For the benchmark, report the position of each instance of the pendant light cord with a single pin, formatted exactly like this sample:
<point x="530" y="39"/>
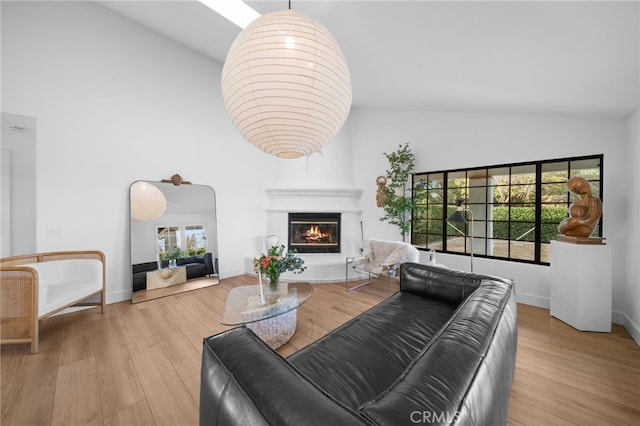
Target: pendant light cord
<point x="289" y="4"/>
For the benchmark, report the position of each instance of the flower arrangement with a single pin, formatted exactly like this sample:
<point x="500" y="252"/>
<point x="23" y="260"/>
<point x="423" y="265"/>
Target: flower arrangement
<point x="275" y="262"/>
<point x="173" y="253"/>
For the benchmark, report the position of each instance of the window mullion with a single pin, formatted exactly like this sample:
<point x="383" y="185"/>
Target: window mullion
<point x="538" y="215"/>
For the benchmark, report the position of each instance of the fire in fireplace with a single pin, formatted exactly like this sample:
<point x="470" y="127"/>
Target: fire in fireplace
<point x="314" y="232"/>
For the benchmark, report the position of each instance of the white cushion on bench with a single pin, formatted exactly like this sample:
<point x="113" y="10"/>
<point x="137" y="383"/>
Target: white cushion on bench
<point x="62" y="282"/>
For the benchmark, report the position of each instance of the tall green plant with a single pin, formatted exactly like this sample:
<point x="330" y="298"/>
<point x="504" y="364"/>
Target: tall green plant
<point x="398" y="203"/>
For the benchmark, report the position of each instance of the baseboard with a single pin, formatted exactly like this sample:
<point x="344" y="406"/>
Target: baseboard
<point x="632" y="328"/>
<point x="118" y="296"/>
<point x="616" y="317"/>
<point x="234" y="272"/>
<point x="529" y="299"/>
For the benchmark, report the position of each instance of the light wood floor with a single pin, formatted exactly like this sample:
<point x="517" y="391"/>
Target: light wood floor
<point x="140" y="364"/>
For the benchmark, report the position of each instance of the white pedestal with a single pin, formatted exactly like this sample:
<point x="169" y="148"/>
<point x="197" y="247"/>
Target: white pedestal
<point x="581" y="285"/>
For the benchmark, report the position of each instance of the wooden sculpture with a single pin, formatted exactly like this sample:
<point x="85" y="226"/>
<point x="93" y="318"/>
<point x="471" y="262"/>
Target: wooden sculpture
<point x="584" y="212"/>
<point x="381" y="196"/>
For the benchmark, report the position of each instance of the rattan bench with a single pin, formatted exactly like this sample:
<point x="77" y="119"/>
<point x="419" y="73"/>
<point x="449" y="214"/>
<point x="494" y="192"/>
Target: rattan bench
<point x="36" y="286"/>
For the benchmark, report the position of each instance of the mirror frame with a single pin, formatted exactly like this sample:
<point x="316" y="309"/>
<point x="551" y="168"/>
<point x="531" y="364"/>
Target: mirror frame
<point x="187" y="205"/>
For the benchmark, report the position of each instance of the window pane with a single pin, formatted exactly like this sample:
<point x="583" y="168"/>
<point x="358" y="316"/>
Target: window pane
<point x="498" y="173"/>
<point x="555" y="172"/>
<point x="523" y="174"/>
<point x="419" y="213"/>
<point x="435" y="227"/>
<point x="435" y="196"/>
<point x="457" y="185"/>
<point x="477" y="177"/>
<point x="522" y="250"/>
<point x="435" y="211"/>
<point x="523" y="231"/>
<point x="167" y="239"/>
<point x="479" y="211"/>
<point x="595" y="188"/>
<point x="498" y="185"/>
<point x="587" y="168"/>
<point x="419" y="239"/>
<point x="500" y="229"/>
<point x="522" y="194"/>
<point x="549" y="232"/>
<point x="479" y="245"/>
<point x="545" y="252"/>
<point x="554" y="192"/>
<point x="499" y="248"/>
<point x="456" y="244"/>
<point x="195" y="239"/>
<point x="523" y="213"/>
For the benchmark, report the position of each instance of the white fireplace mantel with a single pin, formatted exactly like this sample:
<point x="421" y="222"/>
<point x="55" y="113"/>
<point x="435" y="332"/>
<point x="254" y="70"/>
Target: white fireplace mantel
<point x="313" y="199"/>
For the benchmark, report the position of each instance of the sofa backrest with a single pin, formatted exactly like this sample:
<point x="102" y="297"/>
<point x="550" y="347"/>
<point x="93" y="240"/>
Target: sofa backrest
<point x="436" y="282"/>
<point x="144" y="267"/>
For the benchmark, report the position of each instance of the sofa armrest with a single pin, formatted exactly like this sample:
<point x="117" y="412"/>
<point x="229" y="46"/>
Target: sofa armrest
<point x="244" y="382"/>
<point x="208" y="260"/>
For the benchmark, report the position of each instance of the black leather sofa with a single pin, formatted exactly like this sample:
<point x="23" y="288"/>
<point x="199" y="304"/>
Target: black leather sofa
<point x="196" y="266"/>
<point x="440" y="351"/>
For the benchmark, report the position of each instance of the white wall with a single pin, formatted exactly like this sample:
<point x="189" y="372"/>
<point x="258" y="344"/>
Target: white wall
<point x="444" y="141"/>
<point x="116" y="103"/>
<point x="632" y="226"/>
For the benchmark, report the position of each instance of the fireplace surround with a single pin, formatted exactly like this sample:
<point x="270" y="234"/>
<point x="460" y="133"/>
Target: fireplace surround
<point x="321" y="267"/>
<point x="314" y="232"/>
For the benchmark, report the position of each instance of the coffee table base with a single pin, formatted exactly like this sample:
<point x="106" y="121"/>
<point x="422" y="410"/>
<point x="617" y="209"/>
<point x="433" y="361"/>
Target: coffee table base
<point x="275" y="331"/>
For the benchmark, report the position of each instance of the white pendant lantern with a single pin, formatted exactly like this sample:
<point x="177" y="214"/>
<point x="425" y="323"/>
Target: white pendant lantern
<point x="286" y="84"/>
<point x="147" y="201"/>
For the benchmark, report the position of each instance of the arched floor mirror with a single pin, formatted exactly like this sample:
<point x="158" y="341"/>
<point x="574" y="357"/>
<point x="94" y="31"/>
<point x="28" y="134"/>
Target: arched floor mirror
<point x="174" y="238"/>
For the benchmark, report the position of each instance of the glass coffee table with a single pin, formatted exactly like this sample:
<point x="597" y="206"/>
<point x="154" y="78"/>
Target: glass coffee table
<point x="275" y="320"/>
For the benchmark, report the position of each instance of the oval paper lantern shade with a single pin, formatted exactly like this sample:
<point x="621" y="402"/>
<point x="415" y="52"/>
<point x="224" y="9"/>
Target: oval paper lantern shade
<point x="147" y="201"/>
<point x="286" y="84"/>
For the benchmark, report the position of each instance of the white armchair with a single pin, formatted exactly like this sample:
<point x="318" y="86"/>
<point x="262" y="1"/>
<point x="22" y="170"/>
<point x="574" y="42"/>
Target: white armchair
<point x="378" y="257"/>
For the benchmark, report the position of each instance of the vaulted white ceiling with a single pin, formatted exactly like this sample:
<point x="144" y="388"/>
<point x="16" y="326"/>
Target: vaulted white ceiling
<point x="549" y="57"/>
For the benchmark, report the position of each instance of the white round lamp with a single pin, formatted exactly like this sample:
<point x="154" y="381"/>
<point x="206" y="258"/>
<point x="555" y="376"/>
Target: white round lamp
<point x="147" y="201"/>
<point x="286" y="84"/>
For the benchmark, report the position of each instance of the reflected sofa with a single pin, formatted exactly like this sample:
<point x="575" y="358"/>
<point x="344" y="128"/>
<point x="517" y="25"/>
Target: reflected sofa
<point x="196" y="266"/>
<point x="440" y="351"/>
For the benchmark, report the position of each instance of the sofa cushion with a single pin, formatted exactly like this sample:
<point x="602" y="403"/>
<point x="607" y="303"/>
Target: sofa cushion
<point x="368" y="353"/>
<point x="195" y="270"/>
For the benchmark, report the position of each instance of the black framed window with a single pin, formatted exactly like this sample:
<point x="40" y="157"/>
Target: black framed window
<point x="516" y="208"/>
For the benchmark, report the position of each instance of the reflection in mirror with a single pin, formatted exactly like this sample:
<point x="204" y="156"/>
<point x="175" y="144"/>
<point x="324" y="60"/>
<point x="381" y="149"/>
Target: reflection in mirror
<point x="174" y="239"/>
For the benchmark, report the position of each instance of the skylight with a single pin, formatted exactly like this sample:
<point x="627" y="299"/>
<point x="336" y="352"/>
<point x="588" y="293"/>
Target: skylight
<point x="235" y="11"/>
